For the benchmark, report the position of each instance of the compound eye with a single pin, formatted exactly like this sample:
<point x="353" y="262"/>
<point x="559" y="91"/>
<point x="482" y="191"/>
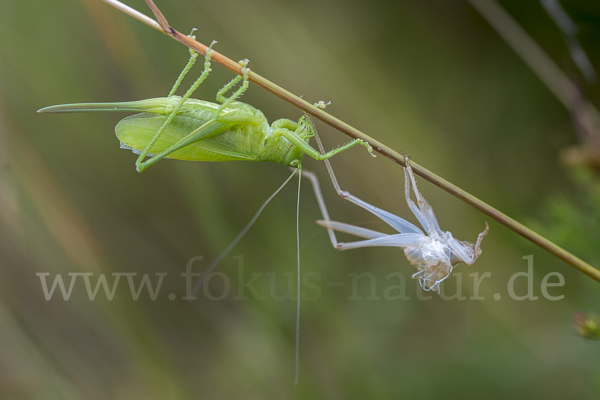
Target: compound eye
<point x="294" y="163"/>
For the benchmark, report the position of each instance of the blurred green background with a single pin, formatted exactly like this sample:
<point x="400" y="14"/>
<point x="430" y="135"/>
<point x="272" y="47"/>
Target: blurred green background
<point x="430" y="78"/>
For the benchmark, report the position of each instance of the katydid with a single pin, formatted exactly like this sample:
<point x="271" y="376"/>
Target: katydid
<point x="197" y="130"/>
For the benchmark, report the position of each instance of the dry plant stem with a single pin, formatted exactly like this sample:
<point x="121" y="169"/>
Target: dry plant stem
<point x="355" y="133"/>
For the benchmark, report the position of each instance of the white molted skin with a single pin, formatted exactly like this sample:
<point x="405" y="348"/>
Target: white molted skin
<point x="433" y="252"/>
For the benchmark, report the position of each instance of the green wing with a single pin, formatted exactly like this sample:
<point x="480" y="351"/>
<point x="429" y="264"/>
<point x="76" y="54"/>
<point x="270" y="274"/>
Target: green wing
<point x="221" y="144"/>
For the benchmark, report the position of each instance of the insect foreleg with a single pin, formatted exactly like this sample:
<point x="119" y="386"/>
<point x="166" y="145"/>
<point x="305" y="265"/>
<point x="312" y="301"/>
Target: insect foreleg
<point x="284" y="123"/>
<point x="139" y="163"/>
<point x="480" y="238"/>
<point x="306" y="148"/>
<point x="331" y="153"/>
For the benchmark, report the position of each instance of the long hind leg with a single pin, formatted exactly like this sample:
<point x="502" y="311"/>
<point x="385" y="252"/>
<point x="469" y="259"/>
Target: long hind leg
<point x="140" y="163"/>
<point x="374" y="238"/>
<point x="399" y="224"/>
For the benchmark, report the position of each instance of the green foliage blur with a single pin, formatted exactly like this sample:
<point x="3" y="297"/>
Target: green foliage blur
<point x="430" y="78"/>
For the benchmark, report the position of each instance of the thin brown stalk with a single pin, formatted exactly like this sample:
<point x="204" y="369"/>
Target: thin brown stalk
<point x="355" y="133"/>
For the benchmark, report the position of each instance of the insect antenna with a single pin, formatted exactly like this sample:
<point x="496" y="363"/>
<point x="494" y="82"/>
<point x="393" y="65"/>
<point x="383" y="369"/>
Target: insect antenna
<point x="297" y="355"/>
<point x="235" y="241"/>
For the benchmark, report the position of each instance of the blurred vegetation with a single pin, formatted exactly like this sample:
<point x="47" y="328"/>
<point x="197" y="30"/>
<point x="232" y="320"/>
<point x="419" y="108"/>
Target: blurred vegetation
<point x="575" y="222"/>
<point x="587" y="326"/>
<point x="430" y="78"/>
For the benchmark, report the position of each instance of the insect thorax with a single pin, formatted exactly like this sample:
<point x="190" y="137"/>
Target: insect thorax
<point x="277" y="148"/>
<point x="430" y="251"/>
<point x="435" y="248"/>
<point x="435" y="259"/>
